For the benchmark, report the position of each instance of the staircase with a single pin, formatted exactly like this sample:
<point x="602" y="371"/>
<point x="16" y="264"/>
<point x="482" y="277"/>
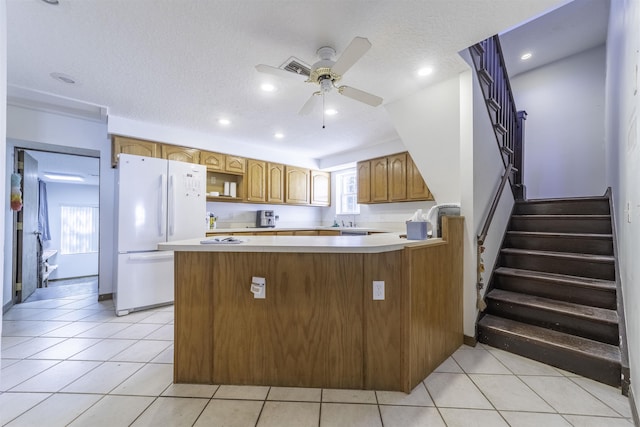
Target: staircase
<point x="552" y="296"/>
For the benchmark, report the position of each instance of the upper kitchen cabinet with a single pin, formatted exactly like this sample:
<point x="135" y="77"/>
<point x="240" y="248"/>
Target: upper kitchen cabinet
<point x="213" y="161"/>
<point x="364" y="181"/>
<point x="296" y="185"/>
<point x="275" y="183"/>
<point x="397" y="176"/>
<point x="256" y="178"/>
<point x="379" y="180"/>
<point x="416" y="187"/>
<point x="180" y="154"/>
<point x="138" y="147"/>
<point x="389" y="179"/>
<point x="320" y="188"/>
<point x="235" y="164"/>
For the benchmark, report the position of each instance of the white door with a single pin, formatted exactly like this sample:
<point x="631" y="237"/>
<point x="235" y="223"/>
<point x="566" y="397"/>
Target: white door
<point x="29" y="262"/>
<point x="187" y="200"/>
<point x="142" y="203"/>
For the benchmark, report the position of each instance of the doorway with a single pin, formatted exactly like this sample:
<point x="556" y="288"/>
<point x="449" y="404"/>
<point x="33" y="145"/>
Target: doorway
<point x="56" y="237"/>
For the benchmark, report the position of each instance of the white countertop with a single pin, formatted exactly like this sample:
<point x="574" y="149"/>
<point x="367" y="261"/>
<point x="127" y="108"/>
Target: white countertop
<point x="374" y="243"/>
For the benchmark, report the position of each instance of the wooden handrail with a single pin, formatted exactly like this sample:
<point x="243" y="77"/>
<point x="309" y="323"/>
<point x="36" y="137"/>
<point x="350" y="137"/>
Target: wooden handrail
<point x="494" y="205"/>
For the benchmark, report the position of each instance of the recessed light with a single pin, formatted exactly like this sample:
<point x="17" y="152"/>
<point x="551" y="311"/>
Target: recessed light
<point x="64" y="78"/>
<point x="224" y="122"/>
<point x="53" y="2"/>
<point x="425" y="71"/>
<point x="526" y="56"/>
<point x="278" y="135"/>
<point x="330" y="112"/>
<point x="268" y="87"/>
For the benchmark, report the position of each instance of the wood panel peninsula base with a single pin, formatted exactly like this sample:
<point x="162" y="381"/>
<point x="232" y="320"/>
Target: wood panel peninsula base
<point x="318" y="325"/>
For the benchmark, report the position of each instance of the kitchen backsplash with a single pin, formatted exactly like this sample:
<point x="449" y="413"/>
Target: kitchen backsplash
<point x="385" y="216"/>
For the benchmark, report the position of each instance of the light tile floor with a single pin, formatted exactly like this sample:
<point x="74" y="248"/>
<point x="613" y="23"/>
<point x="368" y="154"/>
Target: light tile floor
<point x="71" y="361"/>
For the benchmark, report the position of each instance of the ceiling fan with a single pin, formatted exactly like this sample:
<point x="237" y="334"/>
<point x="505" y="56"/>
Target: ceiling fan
<point x="326" y="72"/>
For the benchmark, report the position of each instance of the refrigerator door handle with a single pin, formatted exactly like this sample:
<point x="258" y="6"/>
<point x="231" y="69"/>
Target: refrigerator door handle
<point x="172" y="204"/>
<point x="151" y="256"/>
<point x="162" y="223"/>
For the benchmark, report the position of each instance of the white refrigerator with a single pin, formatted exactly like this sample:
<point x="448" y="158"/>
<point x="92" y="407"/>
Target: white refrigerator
<point x="157" y="201"/>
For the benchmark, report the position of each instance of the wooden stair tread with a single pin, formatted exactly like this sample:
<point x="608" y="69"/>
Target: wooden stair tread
<point x="561" y="216"/>
<point x="564" y="200"/>
<point x="586" y="282"/>
<point x="551" y="338"/>
<point x="560" y="235"/>
<point x="565" y="255"/>
<point x="561" y="307"/>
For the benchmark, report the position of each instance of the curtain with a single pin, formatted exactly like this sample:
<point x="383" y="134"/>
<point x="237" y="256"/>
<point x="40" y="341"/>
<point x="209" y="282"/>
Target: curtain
<point x="43" y="211"/>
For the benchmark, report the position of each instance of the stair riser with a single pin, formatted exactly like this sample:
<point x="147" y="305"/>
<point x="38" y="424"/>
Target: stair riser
<point x="600" y="370"/>
<point x="570" y="267"/>
<point x="558" y="291"/>
<point x="561" y="225"/>
<point x="586" y="328"/>
<point x="561" y="244"/>
<point x="580" y="207"/>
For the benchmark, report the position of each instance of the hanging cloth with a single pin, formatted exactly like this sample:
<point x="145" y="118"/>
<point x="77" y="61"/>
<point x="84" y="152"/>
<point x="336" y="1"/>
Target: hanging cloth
<point x="43" y="211"/>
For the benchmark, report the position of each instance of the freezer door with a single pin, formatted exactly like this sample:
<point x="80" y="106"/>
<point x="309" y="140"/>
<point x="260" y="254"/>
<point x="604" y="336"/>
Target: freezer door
<point x="186" y="201"/>
<point x="144" y="279"/>
<point x="142" y="203"/>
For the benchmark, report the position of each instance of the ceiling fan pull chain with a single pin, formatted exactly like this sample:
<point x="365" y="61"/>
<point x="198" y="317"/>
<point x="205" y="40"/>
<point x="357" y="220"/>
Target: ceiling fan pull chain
<point x="322" y="110"/>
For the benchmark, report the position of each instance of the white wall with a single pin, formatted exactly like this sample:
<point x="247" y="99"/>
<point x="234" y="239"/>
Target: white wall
<point x="69" y="265"/>
<point x="42" y="130"/>
<point x="564" y="130"/>
<point x="3" y="128"/>
<point x="428" y="123"/>
<point x="623" y="161"/>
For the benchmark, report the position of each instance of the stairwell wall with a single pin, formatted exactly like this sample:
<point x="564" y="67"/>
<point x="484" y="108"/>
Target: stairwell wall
<point x="623" y="163"/>
<point x="564" y="130"/>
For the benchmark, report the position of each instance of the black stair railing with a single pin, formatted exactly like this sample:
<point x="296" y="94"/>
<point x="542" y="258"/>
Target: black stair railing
<point x="508" y="126"/>
<point x="507" y="121"/>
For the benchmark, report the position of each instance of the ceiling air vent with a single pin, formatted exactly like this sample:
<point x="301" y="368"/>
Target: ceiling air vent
<point x="296" y="66"/>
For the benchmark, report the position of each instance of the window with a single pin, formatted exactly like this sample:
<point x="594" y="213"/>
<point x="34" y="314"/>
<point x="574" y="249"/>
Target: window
<point x="347" y="193"/>
<point x="79" y="229"/>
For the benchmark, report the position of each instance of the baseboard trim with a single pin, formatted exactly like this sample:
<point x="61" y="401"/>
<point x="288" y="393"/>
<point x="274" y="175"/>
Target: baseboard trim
<point x="6" y="307"/>
<point x="470" y="341"/>
<point x="634" y="408"/>
<point x="105" y="297"/>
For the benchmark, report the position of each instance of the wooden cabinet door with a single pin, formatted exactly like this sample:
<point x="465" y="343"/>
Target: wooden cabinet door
<point x="275" y="183"/>
<point x="416" y="187"/>
<point x="137" y="147"/>
<point x="235" y="164"/>
<point x="364" y="181"/>
<point x="180" y="154"/>
<point x="320" y="188"/>
<point x="296" y="185"/>
<point x="379" y="180"/>
<point x="256" y="181"/>
<point x="397" y="177"/>
<point x="213" y="161"/>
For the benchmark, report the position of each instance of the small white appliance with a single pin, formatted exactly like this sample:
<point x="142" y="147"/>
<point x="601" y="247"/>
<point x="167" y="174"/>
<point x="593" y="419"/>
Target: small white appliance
<point x="157" y="201"/>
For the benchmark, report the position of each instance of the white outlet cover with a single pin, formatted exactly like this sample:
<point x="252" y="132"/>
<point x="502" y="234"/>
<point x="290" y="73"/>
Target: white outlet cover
<point x="378" y="290"/>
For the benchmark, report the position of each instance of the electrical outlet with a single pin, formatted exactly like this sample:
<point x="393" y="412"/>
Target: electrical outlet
<point x="259" y="287"/>
<point x="378" y="290"/>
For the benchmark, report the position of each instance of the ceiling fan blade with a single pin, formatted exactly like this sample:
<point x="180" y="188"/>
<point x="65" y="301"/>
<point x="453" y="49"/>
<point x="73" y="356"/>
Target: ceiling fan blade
<point x="358" y="47"/>
<point x="310" y="105"/>
<point x="280" y="72"/>
<point x="360" y="95"/>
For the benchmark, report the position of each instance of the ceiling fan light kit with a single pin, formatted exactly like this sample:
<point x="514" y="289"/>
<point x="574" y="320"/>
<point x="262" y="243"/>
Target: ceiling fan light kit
<point x="326" y="72"/>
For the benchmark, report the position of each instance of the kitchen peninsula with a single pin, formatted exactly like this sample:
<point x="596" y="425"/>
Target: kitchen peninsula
<point x="319" y="325"/>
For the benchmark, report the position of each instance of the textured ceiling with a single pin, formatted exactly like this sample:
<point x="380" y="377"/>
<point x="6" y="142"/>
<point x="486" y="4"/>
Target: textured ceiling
<point x="186" y="63"/>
